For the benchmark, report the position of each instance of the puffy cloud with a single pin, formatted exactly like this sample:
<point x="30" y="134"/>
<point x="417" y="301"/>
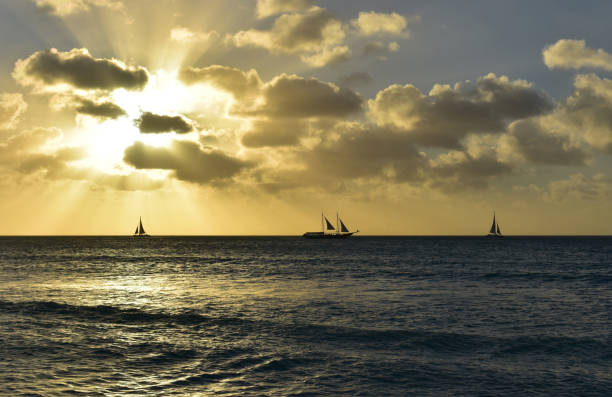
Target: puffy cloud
<point x="315" y="34"/>
<point x="79" y="69"/>
<point x="67" y="7"/>
<point x="380" y="50"/>
<point x="458" y="170"/>
<point x="327" y="56"/>
<point x="12" y="106"/>
<point x="293" y="96"/>
<point x="266" y="8"/>
<point x="581" y="187"/>
<point x="274" y="133"/>
<point x="235" y="81"/>
<point x="351" y="153"/>
<point x="362" y="152"/>
<point x="447" y="114"/>
<point x="539" y="146"/>
<point x="99" y="109"/>
<point x="589" y="111"/>
<point x="186" y="160"/>
<point x="154" y="123"/>
<point x="574" y="54"/>
<point x="374" y="23"/>
<point x="180" y="34"/>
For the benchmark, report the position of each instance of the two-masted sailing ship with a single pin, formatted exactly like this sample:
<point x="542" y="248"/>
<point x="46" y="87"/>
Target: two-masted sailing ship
<point x="140" y="232"/>
<point x="329" y="231"/>
<point x="495" y="231"/>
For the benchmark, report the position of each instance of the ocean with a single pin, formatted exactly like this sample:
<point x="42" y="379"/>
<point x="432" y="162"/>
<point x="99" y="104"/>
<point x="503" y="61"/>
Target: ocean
<point x="285" y="316"/>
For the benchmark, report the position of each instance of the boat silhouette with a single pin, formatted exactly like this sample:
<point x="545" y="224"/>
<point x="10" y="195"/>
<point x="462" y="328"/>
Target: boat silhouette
<point x="340" y="231"/>
<point x="140" y="232"/>
<point x="495" y="231"/>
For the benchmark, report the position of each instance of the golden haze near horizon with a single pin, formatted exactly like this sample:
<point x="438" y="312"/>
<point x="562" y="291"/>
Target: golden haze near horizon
<point x="252" y="117"/>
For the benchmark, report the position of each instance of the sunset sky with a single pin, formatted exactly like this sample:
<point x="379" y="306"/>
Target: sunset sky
<point x="251" y="117"/>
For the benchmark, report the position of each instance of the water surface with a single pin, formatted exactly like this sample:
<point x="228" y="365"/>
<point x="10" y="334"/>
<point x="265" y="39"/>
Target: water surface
<point x="288" y="316"/>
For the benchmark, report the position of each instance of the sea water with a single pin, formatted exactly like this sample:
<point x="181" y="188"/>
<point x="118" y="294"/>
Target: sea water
<point x="371" y="316"/>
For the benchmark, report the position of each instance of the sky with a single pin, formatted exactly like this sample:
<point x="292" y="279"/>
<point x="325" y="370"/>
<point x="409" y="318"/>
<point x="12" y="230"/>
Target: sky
<point x="251" y="117"/>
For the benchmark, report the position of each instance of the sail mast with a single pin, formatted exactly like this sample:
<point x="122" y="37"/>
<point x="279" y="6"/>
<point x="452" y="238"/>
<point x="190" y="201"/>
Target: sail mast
<point x="337" y="224"/>
<point x="322" y="224"/>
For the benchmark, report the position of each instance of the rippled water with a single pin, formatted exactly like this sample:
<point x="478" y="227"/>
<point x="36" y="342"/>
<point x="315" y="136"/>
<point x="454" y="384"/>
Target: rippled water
<point x="286" y="316"/>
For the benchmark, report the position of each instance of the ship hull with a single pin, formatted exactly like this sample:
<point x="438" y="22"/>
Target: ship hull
<point x="319" y="235"/>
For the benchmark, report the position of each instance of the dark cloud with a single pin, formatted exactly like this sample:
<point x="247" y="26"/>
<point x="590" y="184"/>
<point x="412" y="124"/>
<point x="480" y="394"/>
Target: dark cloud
<point x="294" y="33"/>
<point x="541" y="147"/>
<point x="458" y="171"/>
<point x="380" y="49"/>
<point x="357" y="153"/>
<point x="298" y="97"/>
<point x="445" y="116"/>
<point x="363" y="152"/>
<point x="79" y="69"/>
<point x="580" y="187"/>
<point x="315" y="34"/>
<point x="101" y="110"/>
<point x="240" y="84"/>
<point x="187" y="160"/>
<point x="154" y="123"/>
<point x="354" y="79"/>
<point x="274" y="133"/>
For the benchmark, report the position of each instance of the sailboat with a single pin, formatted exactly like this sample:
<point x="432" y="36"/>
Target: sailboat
<point x="140" y="232"/>
<point x="495" y="231"/>
<point x="329" y="231"/>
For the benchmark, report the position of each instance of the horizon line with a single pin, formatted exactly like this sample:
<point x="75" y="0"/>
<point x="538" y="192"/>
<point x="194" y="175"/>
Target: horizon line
<point x="299" y="235"/>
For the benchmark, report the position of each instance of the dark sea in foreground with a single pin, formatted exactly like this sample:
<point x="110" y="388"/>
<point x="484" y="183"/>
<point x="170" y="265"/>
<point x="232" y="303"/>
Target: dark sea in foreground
<point x="375" y="316"/>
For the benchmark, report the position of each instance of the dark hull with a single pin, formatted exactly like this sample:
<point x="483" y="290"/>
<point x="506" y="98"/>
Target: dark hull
<point x="494" y="236"/>
<point x="322" y="236"/>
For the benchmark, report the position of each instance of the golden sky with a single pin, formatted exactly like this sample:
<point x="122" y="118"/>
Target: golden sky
<point x="253" y="116"/>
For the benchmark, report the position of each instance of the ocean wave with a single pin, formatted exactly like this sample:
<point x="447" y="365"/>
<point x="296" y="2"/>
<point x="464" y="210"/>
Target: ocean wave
<point x="101" y="313"/>
<point x="435" y="342"/>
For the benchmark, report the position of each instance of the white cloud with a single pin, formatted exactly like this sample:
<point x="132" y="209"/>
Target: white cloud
<point x="374" y="23"/>
<point x="266" y="8"/>
<point x="185" y="35"/>
<point x="574" y="54"/>
<point x="315" y="35"/>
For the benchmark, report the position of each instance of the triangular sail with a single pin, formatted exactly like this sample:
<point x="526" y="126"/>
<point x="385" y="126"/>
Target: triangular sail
<point x="329" y="225"/>
<point x="343" y="228"/>
<point x="136" y="231"/>
<point x="492" y="231"/>
<point x="140" y="228"/>
<point x="498" y="231"/>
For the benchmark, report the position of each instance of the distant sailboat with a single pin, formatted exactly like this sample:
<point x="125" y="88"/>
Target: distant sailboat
<point x="495" y="231"/>
<point x="140" y="232"/>
<point x="340" y="231"/>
